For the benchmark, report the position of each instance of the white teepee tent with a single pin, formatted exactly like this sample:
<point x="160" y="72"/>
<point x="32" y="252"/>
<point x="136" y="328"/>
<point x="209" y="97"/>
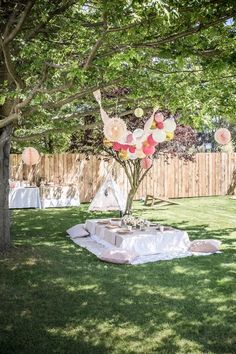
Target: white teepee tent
<point x="108" y="197"/>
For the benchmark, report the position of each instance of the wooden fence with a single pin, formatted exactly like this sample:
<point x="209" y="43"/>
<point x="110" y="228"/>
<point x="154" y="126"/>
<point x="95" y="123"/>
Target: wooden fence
<point x="210" y="174"/>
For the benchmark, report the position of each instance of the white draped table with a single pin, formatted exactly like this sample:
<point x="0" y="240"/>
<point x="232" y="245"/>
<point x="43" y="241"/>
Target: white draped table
<point x="143" y="243"/>
<point x="59" y="196"/>
<point x="24" y="197"/>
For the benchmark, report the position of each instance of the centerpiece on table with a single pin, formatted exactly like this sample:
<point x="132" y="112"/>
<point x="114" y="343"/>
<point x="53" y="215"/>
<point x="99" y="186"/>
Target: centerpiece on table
<point x="131" y="222"/>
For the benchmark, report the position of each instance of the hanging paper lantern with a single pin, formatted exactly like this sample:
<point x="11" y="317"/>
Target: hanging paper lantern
<point x="151" y="141"/>
<point x="132" y="149"/>
<point x="148" y="150"/>
<point x="159" y="135"/>
<point x="116" y="146"/>
<point x="30" y="156"/>
<point x="146" y="163"/>
<point x="138" y="112"/>
<point x="123" y="155"/>
<point x="160" y="125"/>
<point x="115" y="129"/>
<point x="222" y="136"/>
<point x="169" y="136"/>
<point x="107" y="143"/>
<point x="169" y="125"/>
<point x="158" y="117"/>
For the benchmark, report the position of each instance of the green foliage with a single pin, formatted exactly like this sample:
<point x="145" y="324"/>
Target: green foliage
<point x="179" y="55"/>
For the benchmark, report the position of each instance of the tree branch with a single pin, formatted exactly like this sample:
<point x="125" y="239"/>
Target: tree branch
<point x="51" y="14"/>
<point x="97" y="45"/>
<point x="52" y="131"/>
<point x="173" y="37"/>
<point x="10" y="66"/>
<point x="8" y="120"/>
<point x="20" y="23"/>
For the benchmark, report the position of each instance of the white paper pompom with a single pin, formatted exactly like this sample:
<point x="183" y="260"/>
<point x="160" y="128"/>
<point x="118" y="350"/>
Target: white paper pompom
<point x="115" y="129"/>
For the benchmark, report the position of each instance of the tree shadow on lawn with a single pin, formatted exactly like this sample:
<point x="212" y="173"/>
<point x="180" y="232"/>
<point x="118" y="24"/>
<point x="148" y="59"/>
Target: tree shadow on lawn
<point x="58" y="298"/>
<point x="170" y="307"/>
<point x="70" y="302"/>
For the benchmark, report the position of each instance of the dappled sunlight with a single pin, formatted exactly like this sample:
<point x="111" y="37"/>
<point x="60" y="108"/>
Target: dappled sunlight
<point x="64" y="294"/>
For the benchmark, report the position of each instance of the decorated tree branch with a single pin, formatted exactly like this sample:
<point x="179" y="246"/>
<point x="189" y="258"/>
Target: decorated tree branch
<point x="135" y="150"/>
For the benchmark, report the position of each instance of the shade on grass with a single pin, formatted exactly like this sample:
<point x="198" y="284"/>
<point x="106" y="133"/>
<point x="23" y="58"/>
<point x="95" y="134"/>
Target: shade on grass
<point x="57" y="298"/>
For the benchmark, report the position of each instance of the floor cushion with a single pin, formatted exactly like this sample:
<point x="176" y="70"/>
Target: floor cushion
<point x="206" y="246"/>
<point x="77" y="231"/>
<point x="117" y="256"/>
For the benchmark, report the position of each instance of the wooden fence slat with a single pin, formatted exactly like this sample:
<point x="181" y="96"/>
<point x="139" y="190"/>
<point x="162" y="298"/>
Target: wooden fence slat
<point x="210" y="174"/>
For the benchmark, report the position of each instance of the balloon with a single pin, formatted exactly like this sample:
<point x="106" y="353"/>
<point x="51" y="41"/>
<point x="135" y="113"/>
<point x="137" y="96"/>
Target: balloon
<point x="30" y="156"/>
<point x="146" y="163"/>
<point x="148" y="150"/>
<point x="129" y="138"/>
<point x="132" y="149"/>
<point x="159" y="117"/>
<point x="153" y="126"/>
<point x="115" y="129"/>
<point x="151" y="141"/>
<point x="138" y="112"/>
<point x="222" y="136"/>
<point x="107" y="143"/>
<point x="169" y="136"/>
<point x="160" y="125"/>
<point x="169" y="125"/>
<point x="117" y="146"/>
<point x="140" y="154"/>
<point x="124" y="147"/>
<point x="159" y="135"/>
<point x="148" y="124"/>
<point x="132" y="156"/>
<point x="123" y="155"/>
<point x="138" y="133"/>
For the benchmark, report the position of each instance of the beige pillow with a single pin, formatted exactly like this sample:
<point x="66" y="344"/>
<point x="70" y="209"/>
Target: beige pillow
<point x="117" y="256"/>
<point x="205" y="246"/>
<point x="77" y="231"/>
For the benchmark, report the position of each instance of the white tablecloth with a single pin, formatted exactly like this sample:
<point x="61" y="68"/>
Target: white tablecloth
<point x="24" y="197"/>
<point x="141" y="242"/>
<point x="59" y="196"/>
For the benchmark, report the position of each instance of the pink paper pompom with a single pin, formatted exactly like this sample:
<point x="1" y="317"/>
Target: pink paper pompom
<point x="146" y="163"/>
<point x="222" y="136"/>
<point x="148" y="150"/>
<point x="151" y="141"/>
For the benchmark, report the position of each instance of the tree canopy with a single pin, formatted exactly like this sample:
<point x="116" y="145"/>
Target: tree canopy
<point x="179" y="55"/>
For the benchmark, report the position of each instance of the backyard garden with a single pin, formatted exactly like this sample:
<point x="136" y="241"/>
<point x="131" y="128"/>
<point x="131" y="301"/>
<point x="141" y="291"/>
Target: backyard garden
<point x="117" y="177"/>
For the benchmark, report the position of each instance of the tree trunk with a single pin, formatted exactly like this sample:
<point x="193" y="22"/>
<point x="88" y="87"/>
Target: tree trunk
<point x="129" y="202"/>
<point x="5" y="135"/>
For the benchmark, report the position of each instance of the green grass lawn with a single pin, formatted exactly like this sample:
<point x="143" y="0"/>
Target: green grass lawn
<point x="57" y="298"/>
